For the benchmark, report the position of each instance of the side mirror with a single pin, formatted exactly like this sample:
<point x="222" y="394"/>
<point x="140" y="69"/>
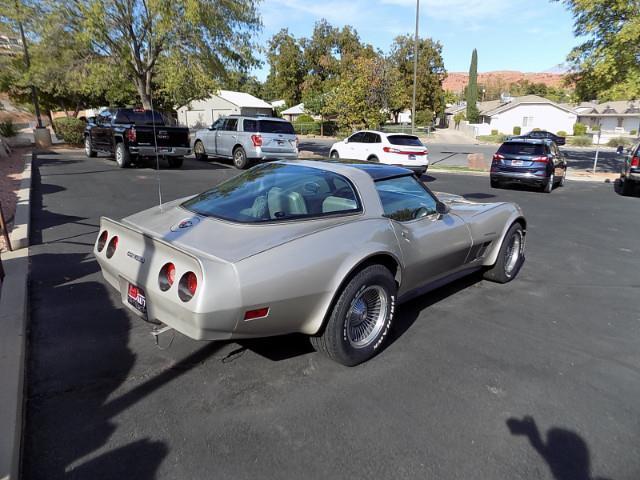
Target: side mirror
<point x="442" y="208"/>
<point x="346" y="140"/>
<point x="212" y="127"/>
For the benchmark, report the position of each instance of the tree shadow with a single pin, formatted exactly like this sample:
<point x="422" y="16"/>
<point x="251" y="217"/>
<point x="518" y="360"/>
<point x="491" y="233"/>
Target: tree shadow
<point x="608" y="162"/>
<point x="565" y="452"/>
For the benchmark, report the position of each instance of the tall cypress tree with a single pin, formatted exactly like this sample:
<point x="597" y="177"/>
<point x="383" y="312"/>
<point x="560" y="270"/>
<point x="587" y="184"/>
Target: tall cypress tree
<point x="473" y="115"/>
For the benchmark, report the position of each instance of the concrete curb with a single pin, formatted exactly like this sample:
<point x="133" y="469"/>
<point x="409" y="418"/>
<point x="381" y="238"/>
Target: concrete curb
<point x="13" y="319"/>
<point x="19" y="235"/>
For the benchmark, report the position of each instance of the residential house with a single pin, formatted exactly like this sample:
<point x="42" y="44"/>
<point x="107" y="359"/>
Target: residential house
<point x="200" y="113"/>
<point x="527" y="112"/>
<point x="621" y="117"/>
<point x="293" y="113"/>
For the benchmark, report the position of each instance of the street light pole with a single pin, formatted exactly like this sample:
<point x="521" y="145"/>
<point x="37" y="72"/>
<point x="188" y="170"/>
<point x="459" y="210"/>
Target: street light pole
<point x="415" y="70"/>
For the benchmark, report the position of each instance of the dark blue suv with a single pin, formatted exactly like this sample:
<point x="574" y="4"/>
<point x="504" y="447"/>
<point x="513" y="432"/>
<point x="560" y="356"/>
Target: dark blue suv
<point x="529" y="161"/>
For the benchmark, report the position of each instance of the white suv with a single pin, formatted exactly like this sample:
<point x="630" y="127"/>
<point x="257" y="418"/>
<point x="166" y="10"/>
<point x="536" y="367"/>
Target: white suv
<point x="390" y="148"/>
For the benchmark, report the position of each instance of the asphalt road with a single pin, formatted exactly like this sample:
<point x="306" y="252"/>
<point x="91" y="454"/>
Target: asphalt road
<point x="452" y="155"/>
<point x="539" y="378"/>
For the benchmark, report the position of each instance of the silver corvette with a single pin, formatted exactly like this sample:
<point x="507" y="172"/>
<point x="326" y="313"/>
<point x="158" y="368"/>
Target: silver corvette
<point x="327" y="249"/>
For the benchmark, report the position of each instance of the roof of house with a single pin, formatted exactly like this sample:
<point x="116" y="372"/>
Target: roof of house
<point x="621" y="107"/>
<point x="277" y="103"/>
<point x="242" y="99"/>
<point x="295" y="110"/>
<point x="494" y="107"/>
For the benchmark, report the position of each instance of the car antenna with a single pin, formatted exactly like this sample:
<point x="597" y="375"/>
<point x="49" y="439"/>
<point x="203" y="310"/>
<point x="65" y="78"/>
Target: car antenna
<point x="155" y="141"/>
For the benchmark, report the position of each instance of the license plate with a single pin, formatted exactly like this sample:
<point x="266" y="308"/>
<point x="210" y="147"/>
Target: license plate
<point x="136" y="298"/>
<point x="412" y="157"/>
<point x="164" y="149"/>
<point x="516" y="163"/>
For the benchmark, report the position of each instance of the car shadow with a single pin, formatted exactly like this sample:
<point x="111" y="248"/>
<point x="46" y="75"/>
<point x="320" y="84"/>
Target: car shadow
<point x="478" y="195"/>
<point x="566" y="453"/>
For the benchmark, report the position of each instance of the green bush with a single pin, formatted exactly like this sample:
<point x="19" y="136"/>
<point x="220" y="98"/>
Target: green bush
<point x="595" y="128"/>
<point x="517" y="130"/>
<point x="614" y="142"/>
<point x="8" y="129"/>
<point x="581" y="141"/>
<point x="633" y="133"/>
<point x="70" y="129"/>
<point x="536" y="130"/>
<point x="494" y="132"/>
<point x="579" y="129"/>
<point x="561" y="133"/>
<point x="304" y="118"/>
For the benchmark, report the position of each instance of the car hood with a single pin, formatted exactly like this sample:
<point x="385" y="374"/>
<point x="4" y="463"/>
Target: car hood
<point x="219" y="239"/>
<point x="463" y="207"/>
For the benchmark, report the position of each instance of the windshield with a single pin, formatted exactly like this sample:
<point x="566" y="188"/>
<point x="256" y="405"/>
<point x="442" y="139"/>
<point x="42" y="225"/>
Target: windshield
<point x="277" y="191"/>
<point x="406" y="140"/>
<point x="514" y="148"/>
<point x="274" y="126"/>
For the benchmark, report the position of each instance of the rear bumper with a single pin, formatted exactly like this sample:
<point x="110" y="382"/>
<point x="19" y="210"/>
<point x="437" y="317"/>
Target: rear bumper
<point x="532" y="178"/>
<point x="276" y="155"/>
<point x="169" y="152"/>
<point x="634" y="176"/>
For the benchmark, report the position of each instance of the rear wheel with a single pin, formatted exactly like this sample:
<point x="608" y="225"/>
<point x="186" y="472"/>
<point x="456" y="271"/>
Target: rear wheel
<point x="373" y="159"/>
<point x="88" y="147"/>
<point x="360" y="319"/>
<point x="334" y="154"/>
<point x="563" y="178"/>
<point x="495" y="183"/>
<point x="175" y="162"/>
<point x="123" y="157"/>
<point x="510" y="256"/>
<point x="548" y="187"/>
<point x="627" y="187"/>
<point x="240" y="158"/>
<point x="200" y="152"/>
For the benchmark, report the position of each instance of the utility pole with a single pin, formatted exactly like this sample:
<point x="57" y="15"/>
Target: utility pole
<point x="27" y="63"/>
<point x="415" y="70"/>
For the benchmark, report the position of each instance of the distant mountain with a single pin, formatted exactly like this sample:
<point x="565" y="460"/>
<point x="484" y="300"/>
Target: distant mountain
<point x="456" y="81"/>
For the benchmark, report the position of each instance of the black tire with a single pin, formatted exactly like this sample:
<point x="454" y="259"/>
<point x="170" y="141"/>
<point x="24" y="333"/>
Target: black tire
<point x="199" y="151"/>
<point x="335" y="340"/>
<point x="373" y="159"/>
<point x="88" y="147"/>
<point x="175" y="162"/>
<point x="334" y="154"/>
<point x="503" y="270"/>
<point x="240" y="160"/>
<point x="495" y="183"/>
<point x="563" y="178"/>
<point x="627" y="187"/>
<point x="548" y="186"/>
<point x="123" y="157"/>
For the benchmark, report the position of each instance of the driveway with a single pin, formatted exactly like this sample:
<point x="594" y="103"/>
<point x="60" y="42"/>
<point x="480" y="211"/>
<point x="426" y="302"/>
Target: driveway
<point x="539" y="378"/>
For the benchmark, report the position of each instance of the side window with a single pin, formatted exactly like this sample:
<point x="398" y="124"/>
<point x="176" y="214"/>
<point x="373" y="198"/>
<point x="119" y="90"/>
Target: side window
<point x="231" y="124"/>
<point x="104" y="118"/>
<point x="249" y="125"/>
<point x="357" y="137"/>
<point x="372" y="137"/>
<point x="404" y="199"/>
<point x="218" y="124"/>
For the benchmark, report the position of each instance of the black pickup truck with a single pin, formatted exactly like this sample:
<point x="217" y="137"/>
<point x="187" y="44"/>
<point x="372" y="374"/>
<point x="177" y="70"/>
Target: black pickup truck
<point x="134" y="134"/>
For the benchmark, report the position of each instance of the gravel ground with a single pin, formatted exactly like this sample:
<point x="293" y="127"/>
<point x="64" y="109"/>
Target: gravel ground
<point x="10" y="176"/>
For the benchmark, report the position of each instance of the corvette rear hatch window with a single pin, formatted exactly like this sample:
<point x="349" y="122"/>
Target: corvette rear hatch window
<point x="278" y="192"/>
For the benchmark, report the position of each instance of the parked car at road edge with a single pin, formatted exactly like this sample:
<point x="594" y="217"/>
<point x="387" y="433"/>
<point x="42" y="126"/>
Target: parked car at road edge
<point x="630" y="173"/>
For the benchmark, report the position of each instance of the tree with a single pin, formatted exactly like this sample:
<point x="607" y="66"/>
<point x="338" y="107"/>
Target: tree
<point x="606" y="64"/>
<point x="183" y="46"/>
<point x="287" y="68"/>
<point x="473" y="115"/>
<point x="457" y="118"/>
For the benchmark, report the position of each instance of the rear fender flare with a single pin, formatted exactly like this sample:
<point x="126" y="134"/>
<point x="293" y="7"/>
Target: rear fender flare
<point x="492" y="256"/>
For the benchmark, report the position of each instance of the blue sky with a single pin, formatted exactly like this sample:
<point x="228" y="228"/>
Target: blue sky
<point x="524" y="35"/>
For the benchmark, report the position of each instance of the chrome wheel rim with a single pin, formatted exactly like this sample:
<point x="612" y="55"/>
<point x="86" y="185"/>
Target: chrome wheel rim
<point x="87" y="146"/>
<point x="119" y="156"/>
<point x="199" y="148"/>
<point x="237" y="158"/>
<point x="366" y="316"/>
<point x="552" y="179"/>
<point x="512" y="254"/>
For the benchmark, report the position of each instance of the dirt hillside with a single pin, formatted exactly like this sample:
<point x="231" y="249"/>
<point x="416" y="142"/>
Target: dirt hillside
<point x="456" y="81"/>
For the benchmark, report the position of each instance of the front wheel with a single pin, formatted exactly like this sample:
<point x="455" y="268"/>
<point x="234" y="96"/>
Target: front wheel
<point x="123" y="157"/>
<point x="175" y="162"/>
<point x="88" y="147"/>
<point x="334" y="154"/>
<point x="200" y="152"/>
<point x="240" y="159"/>
<point x="360" y="319"/>
<point x="510" y="256"/>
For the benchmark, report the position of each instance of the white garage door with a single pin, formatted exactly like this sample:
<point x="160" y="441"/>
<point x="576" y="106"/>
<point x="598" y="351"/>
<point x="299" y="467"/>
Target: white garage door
<point x="196" y="119"/>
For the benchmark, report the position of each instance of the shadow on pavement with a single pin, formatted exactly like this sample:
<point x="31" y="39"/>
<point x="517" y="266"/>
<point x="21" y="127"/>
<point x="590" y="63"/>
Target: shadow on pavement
<point x="565" y="452"/>
<point x="478" y="196"/>
<point x="608" y="161"/>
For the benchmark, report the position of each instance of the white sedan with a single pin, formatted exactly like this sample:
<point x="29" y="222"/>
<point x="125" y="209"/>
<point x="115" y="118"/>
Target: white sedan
<point x="389" y="148"/>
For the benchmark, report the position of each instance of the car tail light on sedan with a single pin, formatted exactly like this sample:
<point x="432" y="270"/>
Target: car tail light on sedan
<point x="497" y="157"/>
<point x="187" y="286"/>
<point x="256" y="140"/>
<point x="131" y="134"/>
<point x="111" y="248"/>
<point x="635" y="161"/>
<point x="167" y="276"/>
<point x="102" y="240"/>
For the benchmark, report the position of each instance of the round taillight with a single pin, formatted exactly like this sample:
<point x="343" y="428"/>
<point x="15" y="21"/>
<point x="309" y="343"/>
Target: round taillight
<point x="102" y="240"/>
<point x="111" y="248"/>
<point x="187" y="286"/>
<point x="167" y="276"/>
